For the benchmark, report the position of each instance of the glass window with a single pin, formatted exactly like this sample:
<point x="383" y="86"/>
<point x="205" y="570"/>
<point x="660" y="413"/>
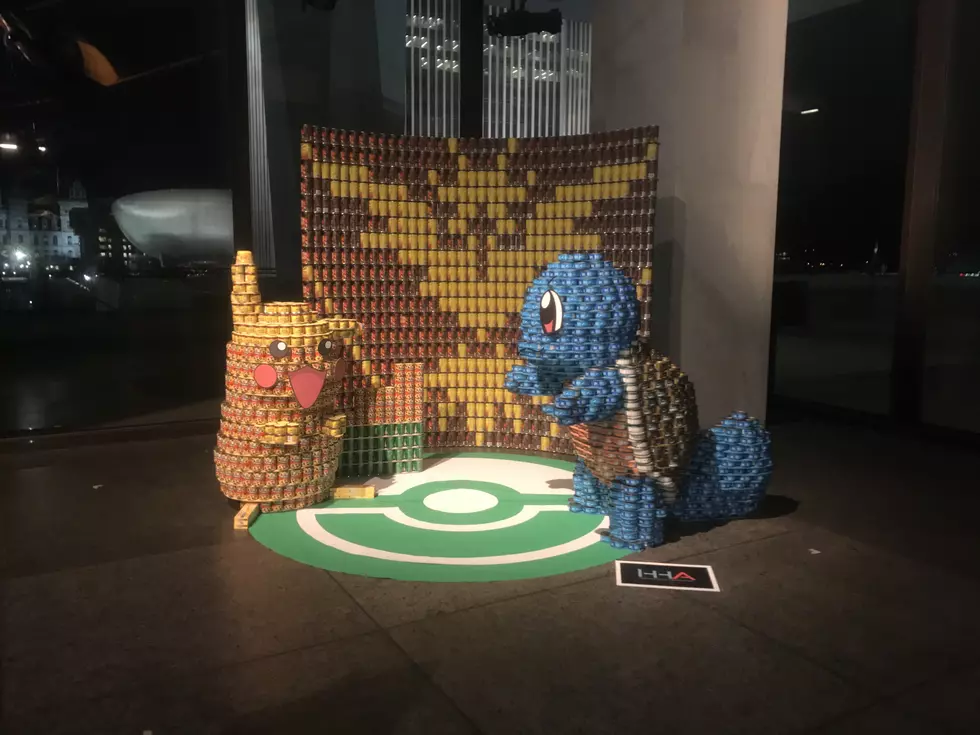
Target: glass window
<point x="847" y="103"/>
<point x="951" y="386"/>
<point x="163" y="128"/>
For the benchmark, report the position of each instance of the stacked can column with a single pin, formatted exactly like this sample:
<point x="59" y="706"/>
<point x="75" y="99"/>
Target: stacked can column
<point x="386" y="429"/>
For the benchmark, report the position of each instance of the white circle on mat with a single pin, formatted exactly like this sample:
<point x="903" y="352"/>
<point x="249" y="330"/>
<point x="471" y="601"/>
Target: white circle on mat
<point x="460" y="500"/>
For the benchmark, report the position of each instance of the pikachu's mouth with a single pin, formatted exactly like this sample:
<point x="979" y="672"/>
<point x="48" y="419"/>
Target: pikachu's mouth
<point x="307" y="382"/>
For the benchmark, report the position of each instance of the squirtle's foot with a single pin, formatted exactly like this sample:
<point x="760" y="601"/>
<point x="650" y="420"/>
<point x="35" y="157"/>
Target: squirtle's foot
<point x="632" y="544"/>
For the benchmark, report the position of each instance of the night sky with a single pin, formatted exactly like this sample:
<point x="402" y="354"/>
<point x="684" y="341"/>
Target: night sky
<point x="842" y="169"/>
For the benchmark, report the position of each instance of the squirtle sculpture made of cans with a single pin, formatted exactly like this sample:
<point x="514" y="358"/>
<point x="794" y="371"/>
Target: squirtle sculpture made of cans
<point x="632" y="412"/>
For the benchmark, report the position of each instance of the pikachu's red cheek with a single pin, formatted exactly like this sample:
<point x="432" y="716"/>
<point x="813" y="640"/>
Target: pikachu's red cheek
<point x="266" y="376"/>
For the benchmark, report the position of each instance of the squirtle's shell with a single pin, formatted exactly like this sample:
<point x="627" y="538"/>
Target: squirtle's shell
<point x="664" y="406"/>
<point x="655" y="432"/>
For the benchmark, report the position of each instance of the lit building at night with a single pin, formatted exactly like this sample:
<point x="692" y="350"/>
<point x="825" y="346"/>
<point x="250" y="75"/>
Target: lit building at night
<point x="40" y="230"/>
<point x="533" y="85"/>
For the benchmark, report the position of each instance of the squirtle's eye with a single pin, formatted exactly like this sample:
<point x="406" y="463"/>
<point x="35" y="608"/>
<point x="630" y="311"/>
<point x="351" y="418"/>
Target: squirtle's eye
<point x="328" y="349"/>
<point x="552" y="312"/>
<point x="278" y="348"/>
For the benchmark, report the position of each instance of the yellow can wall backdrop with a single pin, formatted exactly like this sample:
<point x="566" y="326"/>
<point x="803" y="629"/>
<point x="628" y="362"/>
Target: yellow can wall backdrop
<point x="430" y="244"/>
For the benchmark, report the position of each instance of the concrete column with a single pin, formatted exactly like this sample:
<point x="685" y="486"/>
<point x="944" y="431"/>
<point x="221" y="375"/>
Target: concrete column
<point x="710" y="74"/>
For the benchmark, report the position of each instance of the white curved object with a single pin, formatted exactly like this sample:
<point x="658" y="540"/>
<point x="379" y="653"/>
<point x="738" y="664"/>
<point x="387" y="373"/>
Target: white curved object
<point x="399" y="516"/>
<point x="180" y="224"/>
<point x="308" y="522"/>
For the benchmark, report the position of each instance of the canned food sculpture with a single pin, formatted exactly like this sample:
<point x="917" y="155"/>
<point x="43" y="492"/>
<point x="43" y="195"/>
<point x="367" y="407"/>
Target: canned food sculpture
<point x="384" y="426"/>
<point x="430" y="244"/>
<point x="632" y="413"/>
<point x="281" y="434"/>
<point x="728" y="475"/>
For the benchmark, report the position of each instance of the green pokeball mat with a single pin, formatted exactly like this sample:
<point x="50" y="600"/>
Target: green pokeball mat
<point x="539" y="538"/>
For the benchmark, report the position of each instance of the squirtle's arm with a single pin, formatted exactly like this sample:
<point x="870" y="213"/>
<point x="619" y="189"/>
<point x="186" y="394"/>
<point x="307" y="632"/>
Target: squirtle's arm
<point x="595" y="396"/>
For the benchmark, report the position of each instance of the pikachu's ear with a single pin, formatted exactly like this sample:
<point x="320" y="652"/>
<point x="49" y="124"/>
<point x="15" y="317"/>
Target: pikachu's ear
<point x="245" y="296"/>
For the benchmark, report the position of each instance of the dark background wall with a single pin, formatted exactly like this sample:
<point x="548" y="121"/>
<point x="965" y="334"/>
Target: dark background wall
<point x="958" y="243"/>
<point x="322" y="68"/>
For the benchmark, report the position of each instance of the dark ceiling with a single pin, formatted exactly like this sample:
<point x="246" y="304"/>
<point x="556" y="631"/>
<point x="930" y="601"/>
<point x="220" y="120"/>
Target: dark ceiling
<point x="165" y="113"/>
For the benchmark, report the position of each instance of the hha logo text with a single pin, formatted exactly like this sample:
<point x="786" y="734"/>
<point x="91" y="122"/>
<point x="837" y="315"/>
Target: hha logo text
<point x="664" y="575"/>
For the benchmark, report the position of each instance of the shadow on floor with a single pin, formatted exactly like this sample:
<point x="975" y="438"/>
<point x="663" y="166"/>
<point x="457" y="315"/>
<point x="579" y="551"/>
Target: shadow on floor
<point x="562" y="485"/>
<point x="773" y="506"/>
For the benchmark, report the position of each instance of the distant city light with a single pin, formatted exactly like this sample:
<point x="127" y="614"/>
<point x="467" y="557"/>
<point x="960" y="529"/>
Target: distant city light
<point x="42" y="148"/>
<point x="87" y="277"/>
<point x="810" y="111"/>
<point x="9" y="146"/>
<point x="19" y="255"/>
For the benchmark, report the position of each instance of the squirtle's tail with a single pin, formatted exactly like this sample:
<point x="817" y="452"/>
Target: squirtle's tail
<point x="728" y="473"/>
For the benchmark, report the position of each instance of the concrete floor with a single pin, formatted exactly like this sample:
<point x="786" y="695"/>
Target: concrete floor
<point x="131" y="606"/>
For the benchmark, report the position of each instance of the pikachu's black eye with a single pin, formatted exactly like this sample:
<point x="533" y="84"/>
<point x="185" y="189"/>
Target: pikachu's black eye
<point x="329" y="349"/>
<point x="279" y="349"/>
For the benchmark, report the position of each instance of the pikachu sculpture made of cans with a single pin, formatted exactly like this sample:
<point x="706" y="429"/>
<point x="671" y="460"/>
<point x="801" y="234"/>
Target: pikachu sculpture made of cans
<point x="281" y="433"/>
